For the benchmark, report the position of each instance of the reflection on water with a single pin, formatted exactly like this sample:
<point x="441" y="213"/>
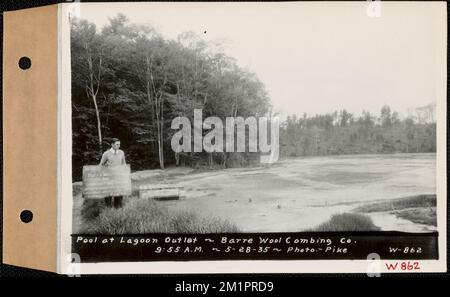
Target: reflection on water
<point x="365" y="177"/>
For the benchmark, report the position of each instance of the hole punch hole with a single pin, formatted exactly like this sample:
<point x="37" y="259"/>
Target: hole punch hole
<point x="26" y="216"/>
<point x="24" y="63"/>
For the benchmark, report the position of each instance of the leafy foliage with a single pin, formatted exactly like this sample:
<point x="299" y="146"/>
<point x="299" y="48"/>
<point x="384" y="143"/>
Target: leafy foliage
<point x="342" y="133"/>
<point x="140" y="82"/>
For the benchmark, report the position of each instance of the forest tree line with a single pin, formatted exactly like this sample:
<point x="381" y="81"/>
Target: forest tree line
<point x="129" y="82"/>
<point x="344" y="133"/>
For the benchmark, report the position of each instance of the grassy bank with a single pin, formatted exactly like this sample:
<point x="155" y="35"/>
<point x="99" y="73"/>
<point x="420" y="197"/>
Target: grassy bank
<point x="147" y="216"/>
<point x="425" y="216"/>
<point x="399" y="204"/>
<point x="419" y="209"/>
<point x="347" y="222"/>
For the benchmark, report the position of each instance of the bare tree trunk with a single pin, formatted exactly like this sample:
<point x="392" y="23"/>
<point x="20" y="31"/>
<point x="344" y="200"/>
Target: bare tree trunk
<point x="159" y="129"/>
<point x="160" y="151"/>
<point x="148" y="77"/>
<point x="157" y="106"/>
<point x="161" y="134"/>
<point x="92" y="90"/>
<point x="99" y="126"/>
<point x="177" y="159"/>
<point x="159" y="138"/>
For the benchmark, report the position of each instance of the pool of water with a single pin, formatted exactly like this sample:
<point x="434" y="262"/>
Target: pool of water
<point x="298" y="194"/>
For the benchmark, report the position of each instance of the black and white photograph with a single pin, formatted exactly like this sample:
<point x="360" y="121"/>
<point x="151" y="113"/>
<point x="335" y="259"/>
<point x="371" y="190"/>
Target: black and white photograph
<point x="257" y="126"/>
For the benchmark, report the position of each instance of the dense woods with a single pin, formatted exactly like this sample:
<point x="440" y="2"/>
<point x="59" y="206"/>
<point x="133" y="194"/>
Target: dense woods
<point x="343" y="133"/>
<point x="129" y="82"/>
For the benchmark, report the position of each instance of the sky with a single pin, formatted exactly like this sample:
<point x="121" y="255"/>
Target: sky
<point x="314" y="57"/>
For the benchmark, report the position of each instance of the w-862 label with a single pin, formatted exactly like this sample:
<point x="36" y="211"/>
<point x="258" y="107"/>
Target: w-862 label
<point x="405" y="250"/>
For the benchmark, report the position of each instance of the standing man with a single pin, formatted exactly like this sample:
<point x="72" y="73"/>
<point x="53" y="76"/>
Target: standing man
<point x="113" y="157"/>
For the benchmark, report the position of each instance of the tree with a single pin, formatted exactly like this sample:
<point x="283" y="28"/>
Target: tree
<point x="345" y="118"/>
<point x="386" y="118"/>
<point x="88" y="64"/>
<point x="138" y="81"/>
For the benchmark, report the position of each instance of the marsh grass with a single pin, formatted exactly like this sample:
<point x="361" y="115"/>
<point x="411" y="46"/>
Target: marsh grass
<point x="347" y="222"/>
<point x="422" y="215"/>
<point x="420" y="209"/>
<point x="147" y="216"/>
<point x="91" y="209"/>
<point x="399" y="204"/>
